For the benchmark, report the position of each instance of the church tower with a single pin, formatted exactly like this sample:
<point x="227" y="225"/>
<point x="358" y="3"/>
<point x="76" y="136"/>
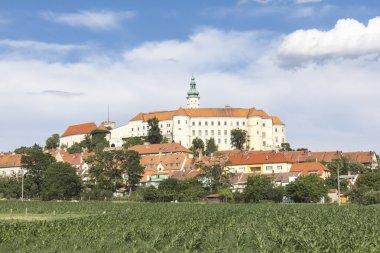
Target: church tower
<point x="192" y="95"/>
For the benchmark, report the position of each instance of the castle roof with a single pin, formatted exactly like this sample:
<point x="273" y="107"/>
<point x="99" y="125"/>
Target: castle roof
<point x="85" y="128"/>
<point x="208" y="112"/>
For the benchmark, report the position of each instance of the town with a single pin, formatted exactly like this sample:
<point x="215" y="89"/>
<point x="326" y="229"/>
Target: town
<point x="190" y="144"/>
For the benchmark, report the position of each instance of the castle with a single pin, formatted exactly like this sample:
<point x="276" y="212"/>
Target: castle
<point x="264" y="132"/>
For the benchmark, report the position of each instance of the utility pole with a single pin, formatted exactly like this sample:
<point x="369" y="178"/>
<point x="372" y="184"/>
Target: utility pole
<point x="339" y="202"/>
<point x="22" y="184"/>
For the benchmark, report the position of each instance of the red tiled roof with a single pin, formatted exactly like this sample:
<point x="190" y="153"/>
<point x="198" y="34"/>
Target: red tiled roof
<point x="306" y="168"/>
<point x="169" y="162"/>
<point x="10" y="160"/>
<point x="208" y="112"/>
<point x="160" y="148"/>
<point x="302" y="156"/>
<point x="85" y="128"/>
<point x="257" y="157"/>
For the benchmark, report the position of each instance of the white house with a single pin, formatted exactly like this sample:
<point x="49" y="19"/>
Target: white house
<point x="10" y="165"/>
<point x="76" y="134"/>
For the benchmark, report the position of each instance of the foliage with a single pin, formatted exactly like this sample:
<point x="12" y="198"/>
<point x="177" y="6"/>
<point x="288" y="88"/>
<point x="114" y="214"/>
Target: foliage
<point x="332" y="182"/>
<point x="238" y="138"/>
<point x="214" y="177"/>
<point x="261" y="188"/>
<point x="23" y="150"/>
<point x="307" y="189"/>
<point x="76" y="148"/>
<point x="60" y="181"/>
<point x="52" y="142"/>
<point x="133" y="141"/>
<point x="211" y="147"/>
<point x="198" y="146"/>
<point x="154" y="133"/>
<point x="345" y="165"/>
<point x="10" y="187"/>
<point x="285" y="147"/>
<point x="132" y="169"/>
<point x="367" y="188"/>
<point x="36" y="162"/>
<point x="163" y="227"/>
<point x="96" y="193"/>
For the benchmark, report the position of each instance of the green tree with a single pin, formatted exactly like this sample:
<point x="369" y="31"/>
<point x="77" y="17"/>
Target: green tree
<point x="307" y="189"/>
<point x="238" y="138"/>
<point x="133" y="141"/>
<point x="60" y="181"/>
<point x="285" y="147"/>
<point x="36" y="162"/>
<point x="367" y="189"/>
<point x="214" y="177"/>
<point x="23" y="149"/>
<point x="52" y="142"/>
<point x="211" y="147"/>
<point x="345" y="165"/>
<point x="332" y="182"/>
<point x="260" y="188"/>
<point x="132" y="169"/>
<point x="154" y="132"/>
<point x="198" y="146"/>
<point x="76" y="148"/>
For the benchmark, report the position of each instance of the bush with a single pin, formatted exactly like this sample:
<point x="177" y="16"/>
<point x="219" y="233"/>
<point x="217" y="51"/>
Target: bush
<point x="97" y="193"/>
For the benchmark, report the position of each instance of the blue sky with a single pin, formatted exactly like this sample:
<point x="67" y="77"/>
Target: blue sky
<point x="313" y="63"/>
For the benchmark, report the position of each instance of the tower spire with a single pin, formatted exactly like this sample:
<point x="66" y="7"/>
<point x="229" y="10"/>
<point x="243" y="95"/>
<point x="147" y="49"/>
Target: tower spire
<point x="193" y="94"/>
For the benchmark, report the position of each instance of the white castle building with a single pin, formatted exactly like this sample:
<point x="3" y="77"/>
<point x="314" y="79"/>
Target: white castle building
<point x="183" y="125"/>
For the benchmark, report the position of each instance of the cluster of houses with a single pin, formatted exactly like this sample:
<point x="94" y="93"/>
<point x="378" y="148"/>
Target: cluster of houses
<point x="172" y="160"/>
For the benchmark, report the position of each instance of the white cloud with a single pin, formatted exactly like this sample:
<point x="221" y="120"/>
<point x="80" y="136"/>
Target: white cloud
<point x="95" y="20"/>
<point x="39" y="46"/>
<point x="349" y="38"/>
<point x="323" y="108"/>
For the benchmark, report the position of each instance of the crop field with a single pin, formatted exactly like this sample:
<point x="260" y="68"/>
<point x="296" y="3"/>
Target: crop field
<point x="169" y="227"/>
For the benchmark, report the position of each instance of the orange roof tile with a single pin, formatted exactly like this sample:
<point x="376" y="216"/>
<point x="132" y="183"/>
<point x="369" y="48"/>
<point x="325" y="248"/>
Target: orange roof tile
<point x="146" y="149"/>
<point x="169" y="162"/>
<point x="10" y="160"/>
<point x="85" y="128"/>
<point x="207" y="112"/>
<point x="305" y="168"/>
<point x="302" y="156"/>
<point x="257" y="157"/>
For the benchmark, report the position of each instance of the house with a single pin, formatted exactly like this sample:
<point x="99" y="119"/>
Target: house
<point x="283" y="179"/>
<point x="308" y="168"/>
<point x="215" y="199"/>
<point x="78" y="161"/>
<point x="258" y="162"/>
<point x="10" y="165"/>
<point x="160" y="149"/>
<point x="76" y="134"/>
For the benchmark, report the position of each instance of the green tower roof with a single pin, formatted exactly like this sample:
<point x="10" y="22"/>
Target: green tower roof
<point x="193" y="90"/>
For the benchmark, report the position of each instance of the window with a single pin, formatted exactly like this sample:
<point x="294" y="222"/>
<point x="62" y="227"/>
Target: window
<point x="168" y="125"/>
<point x="200" y="132"/>
<point x="206" y="123"/>
<point x="218" y="123"/>
<point x="138" y="129"/>
<point x="263" y="124"/>
<point x="179" y="129"/>
<point x="212" y="123"/>
<point x="237" y="123"/>
<point x="193" y="132"/>
<point x="264" y="135"/>
<point x="206" y="132"/>
<point x="143" y="127"/>
<point x="264" y="143"/>
<point x="132" y="129"/>
<point x="243" y="123"/>
<point x="219" y="132"/>
<point x="179" y="122"/>
<point x="193" y="123"/>
<point x="225" y="141"/>
<point x="225" y="123"/>
<point x="225" y="132"/>
<point x="258" y="132"/>
<point x="200" y="123"/>
<point x="275" y="129"/>
<point x="186" y="122"/>
<point x="268" y="168"/>
<point x="212" y="132"/>
<point x="276" y="139"/>
<point x="279" y="167"/>
<point x="219" y="141"/>
<point x="161" y="125"/>
<point x="282" y="130"/>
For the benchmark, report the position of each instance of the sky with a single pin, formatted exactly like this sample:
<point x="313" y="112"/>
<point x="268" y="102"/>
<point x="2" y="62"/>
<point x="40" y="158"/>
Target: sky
<point x="313" y="63"/>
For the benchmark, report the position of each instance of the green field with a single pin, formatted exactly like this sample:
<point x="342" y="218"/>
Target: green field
<point x="166" y="227"/>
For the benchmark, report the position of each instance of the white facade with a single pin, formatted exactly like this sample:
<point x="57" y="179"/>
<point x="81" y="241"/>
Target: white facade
<point x="68" y="141"/>
<point x="11" y="171"/>
<point x="264" y="132"/>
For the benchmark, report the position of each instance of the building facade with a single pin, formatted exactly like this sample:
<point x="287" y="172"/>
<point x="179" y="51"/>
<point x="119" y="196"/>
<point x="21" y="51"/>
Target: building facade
<point x="264" y="132"/>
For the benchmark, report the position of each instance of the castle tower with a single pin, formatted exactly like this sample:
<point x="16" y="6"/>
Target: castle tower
<point x="192" y="95"/>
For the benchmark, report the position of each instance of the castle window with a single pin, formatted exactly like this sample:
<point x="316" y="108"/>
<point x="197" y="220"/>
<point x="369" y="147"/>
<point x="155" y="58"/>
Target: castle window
<point x="206" y="132"/>
<point x="275" y="129"/>
<point x="179" y="122"/>
<point x="143" y="127"/>
<point x="243" y="123"/>
<point x="212" y="132"/>
<point x="206" y="123"/>
<point x="263" y="124"/>
<point x="132" y="129"/>
<point x="276" y="139"/>
<point x="212" y="123"/>
<point x="193" y="123"/>
<point x="138" y="129"/>
<point x="200" y="132"/>
<point x="264" y="143"/>
<point x="200" y="123"/>
<point x="219" y="132"/>
<point x="264" y="135"/>
<point x="225" y="141"/>
<point x="218" y="123"/>
<point x="225" y="132"/>
<point x="193" y="132"/>
<point x="225" y="123"/>
<point x="237" y="123"/>
<point x="219" y="141"/>
<point x="258" y="132"/>
<point x="161" y="125"/>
